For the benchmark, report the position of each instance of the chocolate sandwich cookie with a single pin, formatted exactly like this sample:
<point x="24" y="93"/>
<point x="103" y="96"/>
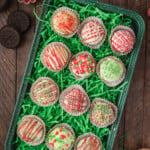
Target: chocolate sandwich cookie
<point x="20" y="20"/>
<point x="9" y="37"/>
<point x="3" y="5"/>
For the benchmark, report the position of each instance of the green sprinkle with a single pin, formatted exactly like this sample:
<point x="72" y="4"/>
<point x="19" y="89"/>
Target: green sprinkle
<point x="77" y="57"/>
<point x="80" y="62"/>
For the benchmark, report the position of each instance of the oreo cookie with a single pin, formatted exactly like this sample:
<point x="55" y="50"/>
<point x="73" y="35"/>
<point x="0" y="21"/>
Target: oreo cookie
<point x="3" y="5"/>
<point x="9" y="37"/>
<point x="19" y="20"/>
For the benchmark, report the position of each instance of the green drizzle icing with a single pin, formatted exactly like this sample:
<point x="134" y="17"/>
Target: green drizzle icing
<point x="111" y="70"/>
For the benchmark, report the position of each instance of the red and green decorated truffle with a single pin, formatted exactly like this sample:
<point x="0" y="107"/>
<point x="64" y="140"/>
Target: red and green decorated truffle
<point x="122" y="40"/>
<point x="65" y="21"/>
<point x="74" y="100"/>
<point x="55" y="56"/>
<point x="44" y="92"/>
<point x="82" y="65"/>
<point x="60" y="137"/>
<point x="111" y="71"/>
<point x="88" y="141"/>
<point x="103" y="113"/>
<point x="31" y="130"/>
<point x="92" y="32"/>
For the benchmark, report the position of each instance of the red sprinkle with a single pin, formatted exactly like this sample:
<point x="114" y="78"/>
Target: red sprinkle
<point x="63" y="137"/>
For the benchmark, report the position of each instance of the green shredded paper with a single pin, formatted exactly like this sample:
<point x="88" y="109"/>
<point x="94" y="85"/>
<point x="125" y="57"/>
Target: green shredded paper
<point x="94" y="87"/>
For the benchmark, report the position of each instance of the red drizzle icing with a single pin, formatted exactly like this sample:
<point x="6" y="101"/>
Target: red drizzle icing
<point x="66" y="23"/>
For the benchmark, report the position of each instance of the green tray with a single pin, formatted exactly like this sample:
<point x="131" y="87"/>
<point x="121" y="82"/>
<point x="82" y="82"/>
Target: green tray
<point x="139" y="28"/>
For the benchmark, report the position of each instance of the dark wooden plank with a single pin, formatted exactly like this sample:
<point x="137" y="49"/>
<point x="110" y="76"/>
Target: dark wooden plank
<point x="146" y="123"/>
<point x="7" y="80"/>
<point x="134" y="105"/>
<point x="27" y="38"/>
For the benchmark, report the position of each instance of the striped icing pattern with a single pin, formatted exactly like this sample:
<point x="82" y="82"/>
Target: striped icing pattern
<point x="75" y="101"/>
<point x="65" y="22"/>
<point x="31" y="130"/>
<point x="56" y="57"/>
<point x="45" y="91"/>
<point x="92" y="33"/>
<point x="102" y="113"/>
<point x="82" y="65"/>
<point x="61" y="138"/>
<point x="89" y="143"/>
<point x="123" y="41"/>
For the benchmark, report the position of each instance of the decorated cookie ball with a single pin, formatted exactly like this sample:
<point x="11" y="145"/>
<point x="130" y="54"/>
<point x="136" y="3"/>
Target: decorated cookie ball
<point x="65" y="22"/>
<point x="31" y="130"/>
<point x="44" y="92"/>
<point x="82" y="65"/>
<point x="122" y="40"/>
<point x="103" y="113"/>
<point x="92" y="32"/>
<point x="55" y="56"/>
<point x="111" y="71"/>
<point x="60" y="137"/>
<point x="74" y="100"/>
<point x="88" y="141"/>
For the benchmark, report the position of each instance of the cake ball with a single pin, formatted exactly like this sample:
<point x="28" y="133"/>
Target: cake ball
<point x="92" y="32"/>
<point x="88" y="141"/>
<point x="103" y="113"/>
<point x="55" y="56"/>
<point x="111" y="71"/>
<point x="44" y="92"/>
<point x="65" y="22"/>
<point x="82" y="65"/>
<point x="74" y="100"/>
<point x="60" y="137"/>
<point x="31" y="130"/>
<point x="122" y="40"/>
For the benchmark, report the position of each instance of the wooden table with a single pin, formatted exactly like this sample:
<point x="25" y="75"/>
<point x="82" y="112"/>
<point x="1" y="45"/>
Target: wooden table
<point x="136" y="117"/>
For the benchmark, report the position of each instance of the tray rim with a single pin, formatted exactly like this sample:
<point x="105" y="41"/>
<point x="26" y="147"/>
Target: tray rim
<point x="28" y="70"/>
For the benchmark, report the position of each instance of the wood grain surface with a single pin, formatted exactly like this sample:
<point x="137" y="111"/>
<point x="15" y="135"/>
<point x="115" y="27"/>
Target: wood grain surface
<point x="135" y="122"/>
